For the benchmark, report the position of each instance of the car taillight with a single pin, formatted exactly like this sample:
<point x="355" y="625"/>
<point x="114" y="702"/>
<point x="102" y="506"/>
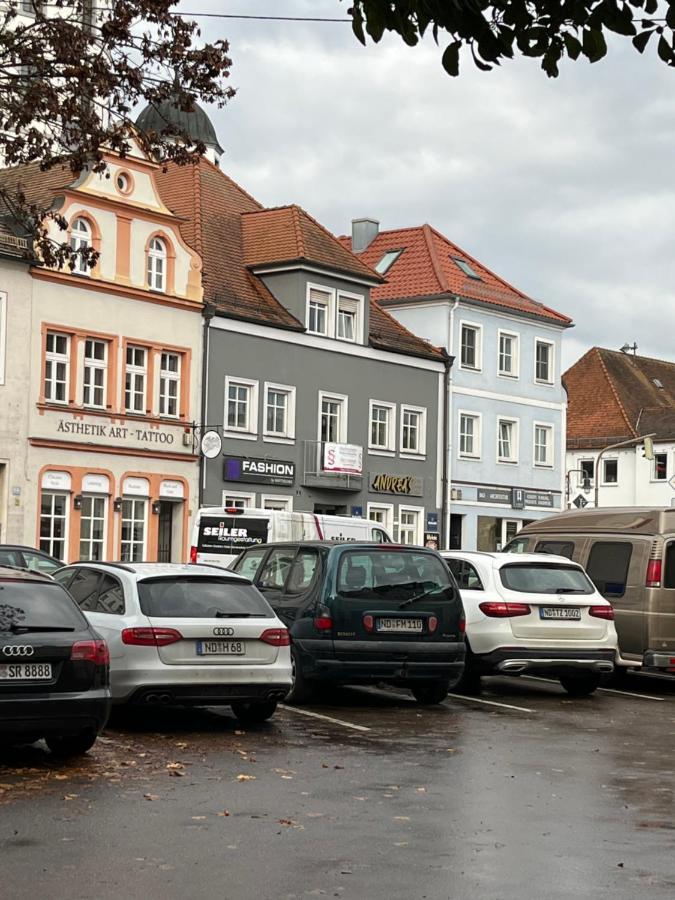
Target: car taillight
<point x="277" y="637"/>
<point x="462" y="624"/>
<point x="499" y="609"/>
<point x="368" y="623"/>
<point x="432" y="623"/>
<point x="323" y="621"/>
<point x="91" y="651"/>
<point x="653" y="573"/>
<point x="193" y="555"/>
<point x="601" y="612"/>
<point x="150" y="637"/>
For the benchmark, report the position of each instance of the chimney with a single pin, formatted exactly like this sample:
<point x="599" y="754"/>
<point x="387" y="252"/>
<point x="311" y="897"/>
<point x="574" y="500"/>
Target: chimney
<point x="364" y="232"/>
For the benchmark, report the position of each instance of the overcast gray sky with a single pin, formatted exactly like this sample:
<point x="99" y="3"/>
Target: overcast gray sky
<point x="562" y="186"/>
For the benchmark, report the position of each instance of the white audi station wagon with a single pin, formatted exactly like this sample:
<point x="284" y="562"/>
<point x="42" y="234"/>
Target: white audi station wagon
<point x="533" y="613"/>
<point x="185" y="635"/>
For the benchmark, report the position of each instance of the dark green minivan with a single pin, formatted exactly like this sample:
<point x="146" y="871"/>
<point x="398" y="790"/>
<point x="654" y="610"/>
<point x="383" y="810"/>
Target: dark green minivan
<point x="363" y="614"/>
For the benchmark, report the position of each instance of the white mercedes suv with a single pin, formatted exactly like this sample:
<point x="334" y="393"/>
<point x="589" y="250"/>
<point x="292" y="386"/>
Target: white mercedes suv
<point x="185" y="635"/>
<point x="535" y="613"/>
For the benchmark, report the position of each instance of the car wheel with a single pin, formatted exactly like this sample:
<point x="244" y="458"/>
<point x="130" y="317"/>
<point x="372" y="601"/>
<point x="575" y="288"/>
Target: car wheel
<point x="430" y="692"/>
<point x="302" y="690"/>
<point x="580" y="685"/>
<point x="255" y="712"/>
<point x="73" y="745"/>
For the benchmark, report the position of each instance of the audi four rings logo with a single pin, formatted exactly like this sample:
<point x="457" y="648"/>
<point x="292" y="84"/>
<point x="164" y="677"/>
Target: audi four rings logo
<point x="18" y="650"/>
<point x="223" y="632"/>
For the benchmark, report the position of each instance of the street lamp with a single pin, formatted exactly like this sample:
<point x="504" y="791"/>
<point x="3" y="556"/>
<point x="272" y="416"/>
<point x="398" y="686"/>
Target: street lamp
<point x="649" y="454"/>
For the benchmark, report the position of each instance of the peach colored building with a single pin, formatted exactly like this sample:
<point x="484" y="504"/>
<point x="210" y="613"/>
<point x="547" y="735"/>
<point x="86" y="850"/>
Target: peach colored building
<point x="114" y="376"/>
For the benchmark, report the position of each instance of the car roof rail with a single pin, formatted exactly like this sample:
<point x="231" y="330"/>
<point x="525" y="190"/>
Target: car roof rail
<point x="27" y="571"/>
<point x="114" y="565"/>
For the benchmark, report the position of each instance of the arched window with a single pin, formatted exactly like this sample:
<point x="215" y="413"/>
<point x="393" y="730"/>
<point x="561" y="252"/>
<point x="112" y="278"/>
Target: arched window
<point x="80" y="239"/>
<point x="157" y="265"/>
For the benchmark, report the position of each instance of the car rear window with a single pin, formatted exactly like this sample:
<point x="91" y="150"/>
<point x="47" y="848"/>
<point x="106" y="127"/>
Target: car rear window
<point x="201" y="598"/>
<point x="556" y="548"/>
<point x="393" y="575"/>
<point x="43" y="605"/>
<point x="542" y="578"/>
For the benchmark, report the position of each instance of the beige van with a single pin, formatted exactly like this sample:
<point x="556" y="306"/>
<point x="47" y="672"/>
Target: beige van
<point x="629" y="554"/>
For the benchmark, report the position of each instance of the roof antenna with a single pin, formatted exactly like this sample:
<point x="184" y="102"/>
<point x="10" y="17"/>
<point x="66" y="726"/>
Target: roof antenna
<point x="627" y="348"/>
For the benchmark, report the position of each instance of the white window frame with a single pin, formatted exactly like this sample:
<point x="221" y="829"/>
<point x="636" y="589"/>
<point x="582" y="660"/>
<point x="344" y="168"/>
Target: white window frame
<point x="389" y="448"/>
<point x="288" y="435"/>
<point x="135" y="370"/>
<point x="133" y="499"/>
<point x="55" y="358"/>
<point x="551" y="361"/>
<point x="286" y="499"/>
<point x="515" y="440"/>
<point x="3" y="334"/>
<point x="66" y="526"/>
<point x="330" y="309"/>
<point x="477" y="436"/>
<point x="250" y="430"/>
<point x="388" y="510"/>
<point x="479" y="346"/>
<point x="652" y="467"/>
<point x="166" y="377"/>
<point x="550" y="446"/>
<point x="605" y="460"/>
<point x="515" y="356"/>
<point x="157" y="265"/>
<point x="79" y="240"/>
<point x="90" y="541"/>
<point x="343" y="400"/>
<point x="95" y="365"/>
<point x="421" y="452"/>
<point x="350" y="303"/>
<point x="419" y="511"/>
<point x="249" y="499"/>
<point x="580" y="477"/>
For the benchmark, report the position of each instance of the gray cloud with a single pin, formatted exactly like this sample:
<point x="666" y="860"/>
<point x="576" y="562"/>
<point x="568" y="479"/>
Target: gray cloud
<point x="561" y="186"/>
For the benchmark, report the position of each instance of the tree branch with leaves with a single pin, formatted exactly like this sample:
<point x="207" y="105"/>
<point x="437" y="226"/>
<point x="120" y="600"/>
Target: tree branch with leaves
<point x="496" y="30"/>
<point x="72" y="72"/>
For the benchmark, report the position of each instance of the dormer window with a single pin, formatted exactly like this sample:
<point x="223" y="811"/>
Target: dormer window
<point x="349" y="317"/>
<point x="318" y="311"/>
<point x="80" y="242"/>
<point x="157" y="265"/>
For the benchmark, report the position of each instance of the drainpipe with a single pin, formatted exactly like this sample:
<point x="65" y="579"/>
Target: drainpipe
<point x="447" y="428"/>
<point x="209" y="312"/>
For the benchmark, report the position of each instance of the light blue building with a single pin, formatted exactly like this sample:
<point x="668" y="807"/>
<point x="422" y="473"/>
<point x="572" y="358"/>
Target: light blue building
<point x="506" y="442"/>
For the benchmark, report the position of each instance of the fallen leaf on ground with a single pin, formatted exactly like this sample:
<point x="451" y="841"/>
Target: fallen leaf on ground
<point x="198" y="818"/>
<point x="401" y="818"/>
<point x="225" y="812"/>
<point x="150" y="797"/>
<point x="245" y="777"/>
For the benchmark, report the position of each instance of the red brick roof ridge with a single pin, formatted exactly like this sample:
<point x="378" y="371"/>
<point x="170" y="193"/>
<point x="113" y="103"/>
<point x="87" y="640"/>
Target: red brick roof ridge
<point x="197" y="210"/>
<point x="295" y="213"/>
<point x="427" y="231"/>
<point x="612" y="387"/>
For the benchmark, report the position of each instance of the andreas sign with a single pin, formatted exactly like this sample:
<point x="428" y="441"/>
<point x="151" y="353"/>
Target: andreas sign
<point x="408" y="485"/>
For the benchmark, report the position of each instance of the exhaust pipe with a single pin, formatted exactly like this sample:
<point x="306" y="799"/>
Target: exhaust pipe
<point x="151" y="698"/>
<point x="164" y="699"/>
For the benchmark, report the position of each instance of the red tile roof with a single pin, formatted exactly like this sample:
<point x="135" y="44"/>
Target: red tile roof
<point x="426" y="268"/>
<point x="233" y="232"/>
<point x="614" y="396"/>
<point x="288" y="233"/>
<point x="39" y="188"/>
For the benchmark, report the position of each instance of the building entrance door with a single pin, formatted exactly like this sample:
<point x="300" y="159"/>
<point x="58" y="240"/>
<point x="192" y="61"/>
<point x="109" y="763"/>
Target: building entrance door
<point x="455" y="532"/>
<point x="164" y="532"/>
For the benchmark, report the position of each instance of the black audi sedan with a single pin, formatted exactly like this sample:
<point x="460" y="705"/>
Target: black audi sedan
<point x="54" y="668"/>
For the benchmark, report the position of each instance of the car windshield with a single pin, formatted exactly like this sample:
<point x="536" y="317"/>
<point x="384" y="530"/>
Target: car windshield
<point x="203" y="598"/>
<point x="393" y="576"/>
<point x="28" y="605"/>
<point x="544" y="578"/>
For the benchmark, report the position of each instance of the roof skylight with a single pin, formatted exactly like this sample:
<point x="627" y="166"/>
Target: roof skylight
<point x="387" y="261"/>
<point x="466" y="268"/>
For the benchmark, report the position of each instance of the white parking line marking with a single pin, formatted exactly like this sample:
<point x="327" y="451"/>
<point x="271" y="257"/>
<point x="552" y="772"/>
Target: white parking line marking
<point x="606" y="690"/>
<point x="490" y="703"/>
<point x="631" y="694"/>
<point x="316" y="715"/>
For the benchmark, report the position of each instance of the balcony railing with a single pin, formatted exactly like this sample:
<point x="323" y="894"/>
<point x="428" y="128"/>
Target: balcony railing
<point x="314" y="473"/>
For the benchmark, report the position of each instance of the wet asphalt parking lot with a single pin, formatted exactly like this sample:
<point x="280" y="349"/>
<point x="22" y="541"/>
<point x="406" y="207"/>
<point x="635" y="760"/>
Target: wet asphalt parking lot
<point x="519" y="793"/>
